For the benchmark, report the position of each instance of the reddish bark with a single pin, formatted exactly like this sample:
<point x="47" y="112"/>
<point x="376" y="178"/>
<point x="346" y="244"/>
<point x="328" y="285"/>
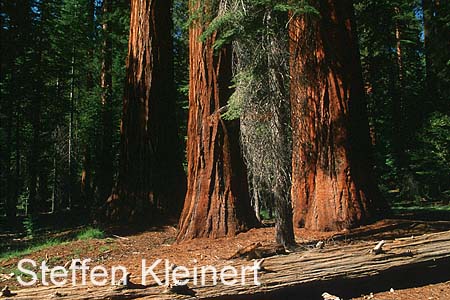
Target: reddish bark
<point x="151" y="177"/>
<point x="332" y="184"/>
<point x="217" y="201"/>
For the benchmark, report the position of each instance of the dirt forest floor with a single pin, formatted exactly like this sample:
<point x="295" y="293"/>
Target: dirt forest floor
<point x="128" y="249"/>
<point x="439" y="291"/>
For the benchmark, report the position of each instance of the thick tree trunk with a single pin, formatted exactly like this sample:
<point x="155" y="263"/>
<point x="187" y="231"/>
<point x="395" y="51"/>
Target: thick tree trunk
<point x="150" y="172"/>
<point x="332" y="184"/>
<point x="217" y="201"/>
<point x="105" y="168"/>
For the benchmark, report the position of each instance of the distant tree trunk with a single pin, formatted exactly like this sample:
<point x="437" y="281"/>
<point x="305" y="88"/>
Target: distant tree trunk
<point x="71" y="131"/>
<point x="397" y="105"/>
<point x="57" y="201"/>
<point x="86" y="173"/>
<point x="332" y="184"/>
<point x="105" y="169"/>
<point x="17" y="178"/>
<point x="86" y="178"/>
<point x="54" y="205"/>
<point x="91" y="48"/>
<point x="151" y="177"/>
<point x="5" y="160"/>
<point x="400" y="118"/>
<point x="436" y="42"/>
<point x="34" y="158"/>
<point x="428" y="29"/>
<point x="217" y="201"/>
<point x="11" y="199"/>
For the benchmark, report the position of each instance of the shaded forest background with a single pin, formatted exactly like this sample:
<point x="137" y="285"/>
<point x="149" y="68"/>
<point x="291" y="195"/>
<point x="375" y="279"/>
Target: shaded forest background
<point x="62" y="85"/>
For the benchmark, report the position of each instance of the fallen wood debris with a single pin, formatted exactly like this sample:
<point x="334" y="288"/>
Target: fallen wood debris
<point x="378" y="248"/>
<point x="246" y="251"/>
<point x="7" y="276"/>
<point x="327" y="296"/>
<point x="57" y="295"/>
<point x="320" y="244"/>
<point x="119" y="237"/>
<point x="332" y="264"/>
<point x="258" y="251"/>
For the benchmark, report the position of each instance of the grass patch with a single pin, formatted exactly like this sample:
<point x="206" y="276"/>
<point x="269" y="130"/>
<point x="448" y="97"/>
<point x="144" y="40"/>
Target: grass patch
<point x="76" y="253"/>
<point x="35" y="248"/>
<point x="104" y="249"/>
<point x="90" y="233"/>
<point x="429" y="207"/>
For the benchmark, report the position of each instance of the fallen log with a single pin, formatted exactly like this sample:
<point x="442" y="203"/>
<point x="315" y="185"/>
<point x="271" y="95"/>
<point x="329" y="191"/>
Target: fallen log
<point x="333" y="263"/>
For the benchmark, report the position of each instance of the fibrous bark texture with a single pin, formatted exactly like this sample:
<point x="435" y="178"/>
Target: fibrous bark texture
<point x="332" y="186"/>
<point x="217" y="201"/>
<point x="151" y="177"/>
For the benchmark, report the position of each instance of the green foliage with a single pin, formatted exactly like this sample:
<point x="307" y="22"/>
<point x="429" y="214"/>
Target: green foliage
<point x="398" y="98"/>
<point x="431" y="159"/>
<point x="181" y="68"/>
<point x="296" y="8"/>
<point x="51" y="68"/>
<point x="265" y="215"/>
<point x="235" y="23"/>
<point x="90" y="233"/>
<point x="236" y="101"/>
<point x="29" y="225"/>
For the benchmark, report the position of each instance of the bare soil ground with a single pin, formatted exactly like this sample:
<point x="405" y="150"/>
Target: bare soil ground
<point x="439" y="291"/>
<point x="159" y="242"/>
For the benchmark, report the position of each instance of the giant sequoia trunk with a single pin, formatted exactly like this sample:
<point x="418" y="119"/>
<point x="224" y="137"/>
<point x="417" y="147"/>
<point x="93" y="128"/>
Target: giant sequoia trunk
<point x="151" y="177"/>
<point x="217" y="201"/>
<point x="332" y="185"/>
